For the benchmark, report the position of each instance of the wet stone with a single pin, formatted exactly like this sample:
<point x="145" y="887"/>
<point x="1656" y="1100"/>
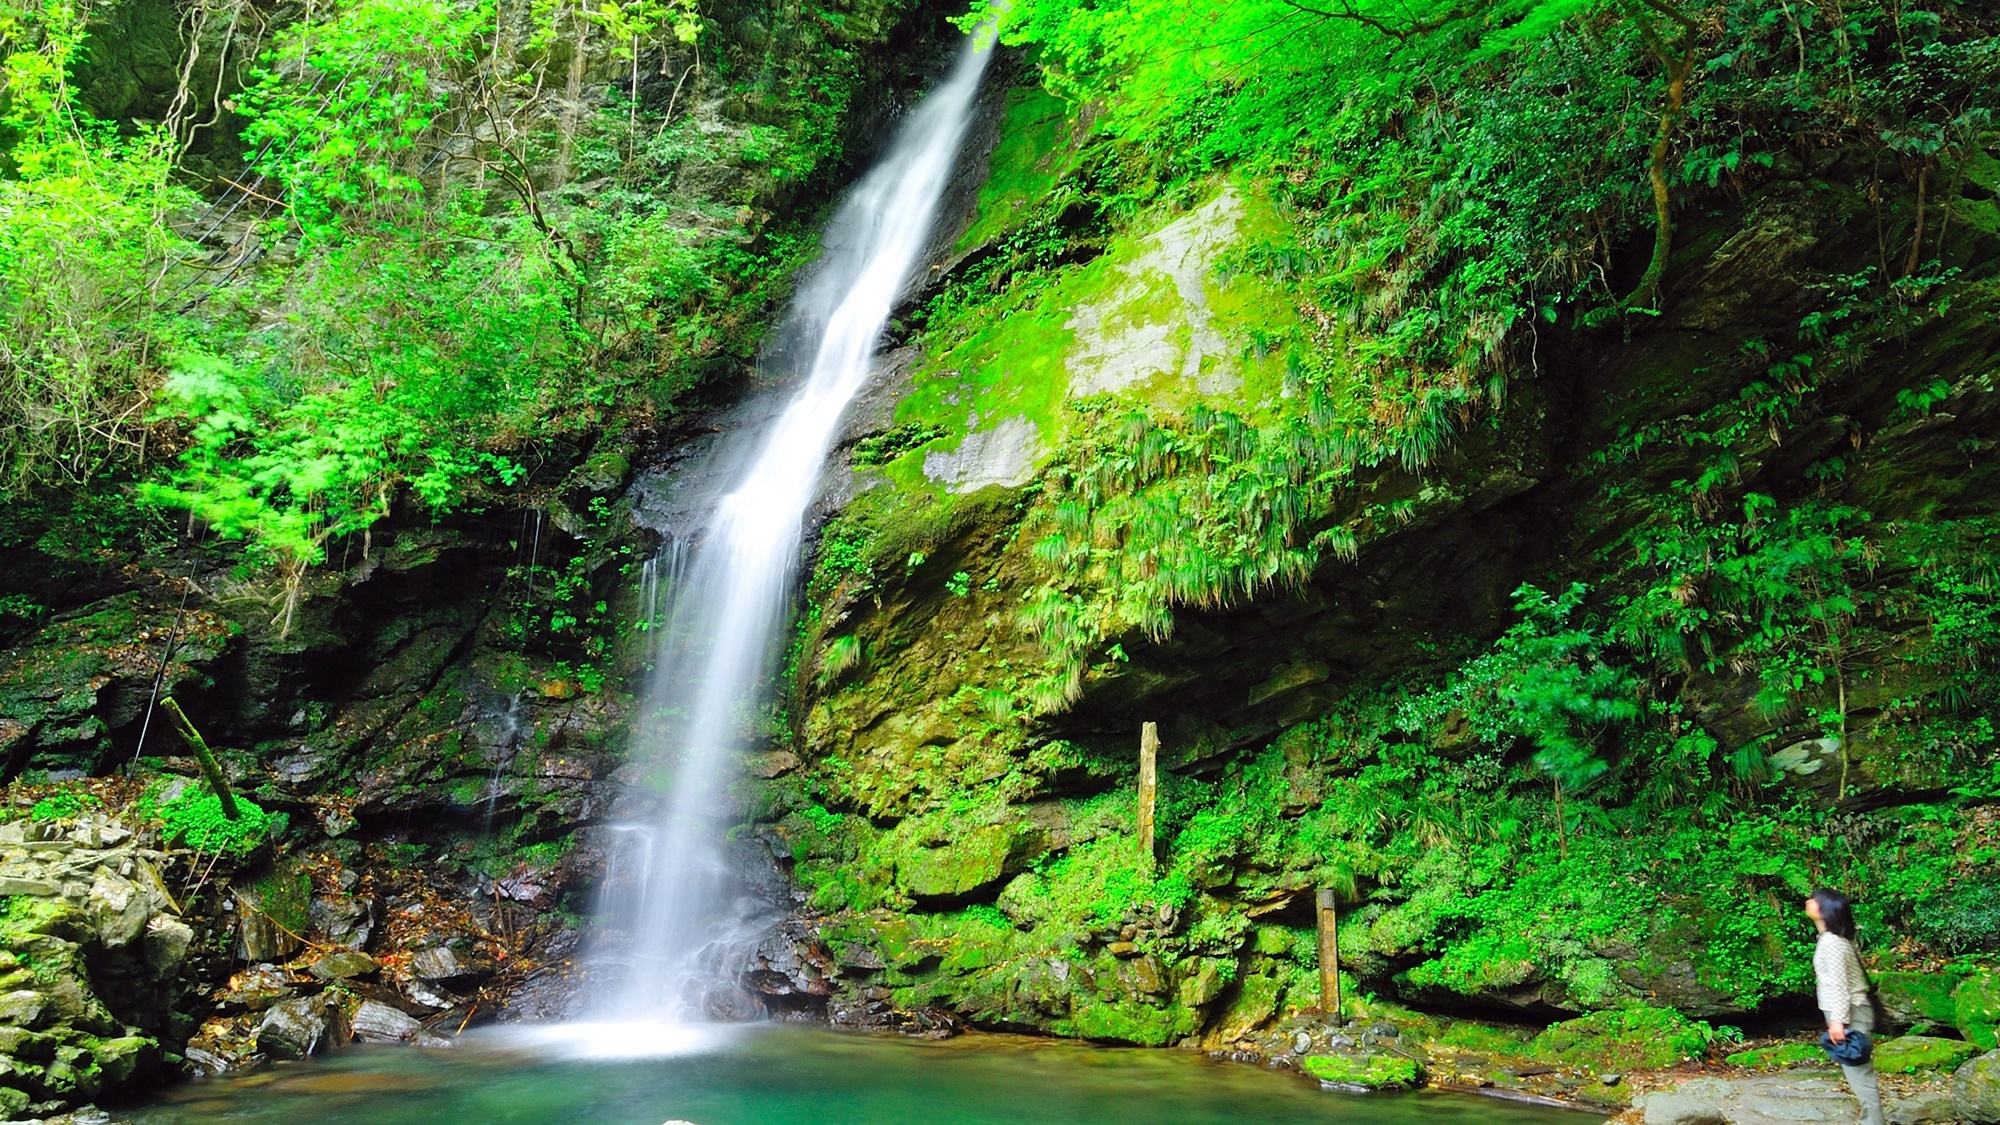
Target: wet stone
<point x="379" y="1023"/>
<point x="436" y="963"/>
<point x="343" y="965"/>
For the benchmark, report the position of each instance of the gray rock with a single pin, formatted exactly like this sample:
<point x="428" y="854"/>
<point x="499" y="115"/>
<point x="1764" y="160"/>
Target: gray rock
<point x="344" y="964"/>
<point x="421" y="994"/>
<point x="258" y="987"/>
<point x="295" y="1029"/>
<point x="379" y="1023"/>
<point x="21" y="1009"/>
<point x="1922" y="1109"/>
<point x="1673" y="1109"/>
<point x="436" y="963"/>
<point x="346" y="919"/>
<point x="1975" y="1089"/>
<point x="165" y="945"/>
<point x="15" y="885"/>
<point x="118" y="909"/>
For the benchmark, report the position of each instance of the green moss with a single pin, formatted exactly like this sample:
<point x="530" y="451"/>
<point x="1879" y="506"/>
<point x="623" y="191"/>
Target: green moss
<point x="1128" y="1021"/>
<point x="1912" y="1053"/>
<point x="959" y="867"/>
<point x="1029" y="159"/>
<point x="1623" y="1039"/>
<point x="1482" y="1038"/>
<point x="1779" y="1056"/>
<point x="1915" y="996"/>
<point x="286" y="896"/>
<point x="1976" y="1009"/>
<point x="1375" y="1072"/>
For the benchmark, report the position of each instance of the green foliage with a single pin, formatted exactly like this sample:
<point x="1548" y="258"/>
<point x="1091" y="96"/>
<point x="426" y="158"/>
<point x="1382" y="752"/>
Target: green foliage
<point x="1547" y="680"/>
<point x="1962" y="919"/>
<point x="81" y="239"/>
<point x="64" y="806"/>
<point x="193" y="818"/>
<point x="890" y="444"/>
<point x="396" y="314"/>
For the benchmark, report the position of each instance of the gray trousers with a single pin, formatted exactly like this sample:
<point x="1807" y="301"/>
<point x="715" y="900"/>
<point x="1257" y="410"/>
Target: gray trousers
<point x="1861" y="1079"/>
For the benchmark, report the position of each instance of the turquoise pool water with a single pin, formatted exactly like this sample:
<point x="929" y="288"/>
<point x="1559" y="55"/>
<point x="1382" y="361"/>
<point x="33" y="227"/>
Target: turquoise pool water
<point x="790" y="1076"/>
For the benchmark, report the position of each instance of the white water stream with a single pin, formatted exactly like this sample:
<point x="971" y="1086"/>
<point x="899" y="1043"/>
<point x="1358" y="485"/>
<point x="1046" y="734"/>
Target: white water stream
<point x="665" y="904"/>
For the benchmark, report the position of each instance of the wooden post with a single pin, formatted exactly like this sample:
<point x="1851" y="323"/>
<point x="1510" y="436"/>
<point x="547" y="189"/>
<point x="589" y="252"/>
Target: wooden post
<point x="1329" y="954"/>
<point x="209" y="767"/>
<point x="1149" y="786"/>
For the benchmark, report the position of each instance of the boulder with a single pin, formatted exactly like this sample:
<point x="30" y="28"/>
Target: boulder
<point x="297" y="1028"/>
<point x="1912" y="1053"/>
<point x="1909" y="998"/>
<point x="1975" y="1008"/>
<point x="1975" y="1089"/>
<point x="126" y="1058"/>
<point x="118" y="908"/>
<point x="344" y="964"/>
<point x="1932" y="1107"/>
<point x="165" y="945"/>
<point x="258" y="987"/>
<point x="437" y="963"/>
<point x="346" y="919"/>
<point x="1362" y="1072"/>
<point x="379" y="1023"/>
<point x="978" y="859"/>
<point x="1761" y="1100"/>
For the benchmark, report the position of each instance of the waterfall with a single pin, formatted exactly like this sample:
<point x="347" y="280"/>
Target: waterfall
<point x="665" y="914"/>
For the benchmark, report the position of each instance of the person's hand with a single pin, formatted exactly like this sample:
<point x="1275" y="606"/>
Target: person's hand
<point x="1835" y="1031"/>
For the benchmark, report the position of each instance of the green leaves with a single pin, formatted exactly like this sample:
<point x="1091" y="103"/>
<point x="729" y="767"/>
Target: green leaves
<point x="1548" y="681"/>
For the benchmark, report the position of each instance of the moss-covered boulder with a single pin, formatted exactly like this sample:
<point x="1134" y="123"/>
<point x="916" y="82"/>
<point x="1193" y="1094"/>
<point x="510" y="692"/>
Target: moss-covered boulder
<point x="1622" y="1039"/>
<point x="1126" y="1021"/>
<point x="1910" y="1054"/>
<point x="1909" y="998"/>
<point x="1363" y="1072"/>
<point x="956" y="869"/>
<point x="1975" y="1009"/>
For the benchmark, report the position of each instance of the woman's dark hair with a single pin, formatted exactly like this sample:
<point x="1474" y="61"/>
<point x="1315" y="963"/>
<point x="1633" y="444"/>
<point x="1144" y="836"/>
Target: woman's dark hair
<point x="1837" y="911"/>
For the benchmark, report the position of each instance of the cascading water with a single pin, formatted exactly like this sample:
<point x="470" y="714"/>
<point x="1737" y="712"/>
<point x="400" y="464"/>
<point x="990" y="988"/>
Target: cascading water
<point x="665" y="916"/>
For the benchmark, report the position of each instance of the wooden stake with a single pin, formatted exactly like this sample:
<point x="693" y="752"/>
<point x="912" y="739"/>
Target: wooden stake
<point x="209" y="767"/>
<point x="1149" y="785"/>
<point x="1329" y="953"/>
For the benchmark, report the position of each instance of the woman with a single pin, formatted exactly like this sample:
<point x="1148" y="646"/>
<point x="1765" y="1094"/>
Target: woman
<point x="1843" y="991"/>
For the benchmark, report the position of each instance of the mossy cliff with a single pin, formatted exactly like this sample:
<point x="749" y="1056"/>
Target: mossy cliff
<point x="1571" y="661"/>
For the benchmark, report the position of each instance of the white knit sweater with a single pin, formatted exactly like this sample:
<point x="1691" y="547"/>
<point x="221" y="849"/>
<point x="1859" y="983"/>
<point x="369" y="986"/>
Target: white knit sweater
<point x="1843" y="985"/>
